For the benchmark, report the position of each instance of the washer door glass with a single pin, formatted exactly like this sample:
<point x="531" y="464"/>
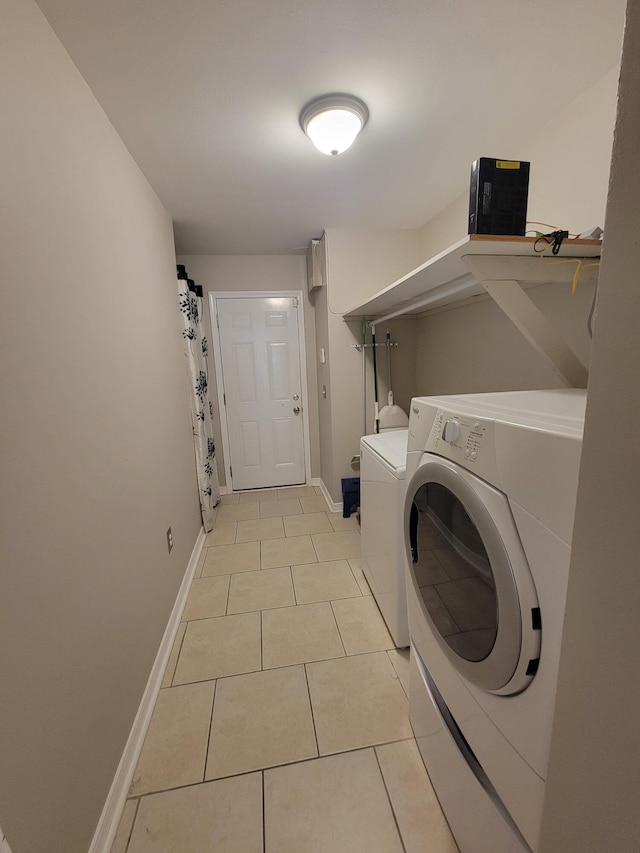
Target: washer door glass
<point x="453" y="573"/>
<point x="456" y="530"/>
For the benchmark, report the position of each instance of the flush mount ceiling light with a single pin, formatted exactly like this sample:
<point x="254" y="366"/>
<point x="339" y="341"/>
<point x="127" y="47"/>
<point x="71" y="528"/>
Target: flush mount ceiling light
<point x="332" y="122"/>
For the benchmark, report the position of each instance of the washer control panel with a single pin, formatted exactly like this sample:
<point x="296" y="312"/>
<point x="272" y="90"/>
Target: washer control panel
<point x="462" y="438"/>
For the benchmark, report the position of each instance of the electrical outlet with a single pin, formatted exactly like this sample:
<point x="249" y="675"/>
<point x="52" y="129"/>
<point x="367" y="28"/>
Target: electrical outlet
<point x="169" y="540"/>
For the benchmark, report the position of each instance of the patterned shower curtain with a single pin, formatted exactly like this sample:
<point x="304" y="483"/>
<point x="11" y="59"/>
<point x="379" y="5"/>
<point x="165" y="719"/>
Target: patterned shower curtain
<point x="196" y="352"/>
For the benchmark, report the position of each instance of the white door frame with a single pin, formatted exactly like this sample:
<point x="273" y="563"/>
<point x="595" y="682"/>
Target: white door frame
<point x="214" y="295"/>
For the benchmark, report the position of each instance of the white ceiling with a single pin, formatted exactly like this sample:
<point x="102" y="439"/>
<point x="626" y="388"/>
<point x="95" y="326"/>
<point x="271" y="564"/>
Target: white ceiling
<point x="206" y="95"/>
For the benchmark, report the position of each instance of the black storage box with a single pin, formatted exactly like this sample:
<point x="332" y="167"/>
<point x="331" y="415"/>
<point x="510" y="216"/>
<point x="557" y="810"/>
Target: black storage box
<point x="498" y="197"/>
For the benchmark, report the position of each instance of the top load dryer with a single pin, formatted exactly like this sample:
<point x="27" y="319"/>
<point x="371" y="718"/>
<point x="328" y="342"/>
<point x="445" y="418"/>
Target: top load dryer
<point x="382" y="480"/>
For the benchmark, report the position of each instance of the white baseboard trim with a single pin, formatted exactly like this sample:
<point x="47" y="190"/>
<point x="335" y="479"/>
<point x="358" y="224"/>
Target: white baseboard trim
<point x="116" y="798"/>
<point x="333" y="505"/>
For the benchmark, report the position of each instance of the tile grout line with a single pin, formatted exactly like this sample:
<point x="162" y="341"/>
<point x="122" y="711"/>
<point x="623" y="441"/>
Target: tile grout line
<point x="262" y="669"/>
<point x="187" y="785"/>
<point x="206" y="752"/>
<point x="226" y="605"/>
<point x="395" y="648"/>
<point x="175" y="668"/>
<point x="386" y="789"/>
<point x="335" y="619"/>
<point x="297" y="663"/>
<point x="313" y="545"/>
<point x="133" y="823"/>
<point x="355" y="579"/>
<point x="334" y="754"/>
<point x="293" y="584"/>
<point x="313" y="717"/>
<point x="203" y="558"/>
<point x="264" y="816"/>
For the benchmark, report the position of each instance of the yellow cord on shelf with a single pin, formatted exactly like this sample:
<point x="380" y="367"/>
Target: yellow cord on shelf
<point x="577" y="261"/>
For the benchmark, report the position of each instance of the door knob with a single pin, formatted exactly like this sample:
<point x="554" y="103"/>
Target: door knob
<point x="296" y="397"/>
<point x="296" y="410"/>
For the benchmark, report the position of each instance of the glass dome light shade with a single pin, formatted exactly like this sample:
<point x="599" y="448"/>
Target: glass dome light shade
<point x="333" y="122"/>
<point x="333" y="131"/>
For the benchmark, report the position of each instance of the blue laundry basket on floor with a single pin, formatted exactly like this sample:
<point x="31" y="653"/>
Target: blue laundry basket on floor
<point x="350" y="495"/>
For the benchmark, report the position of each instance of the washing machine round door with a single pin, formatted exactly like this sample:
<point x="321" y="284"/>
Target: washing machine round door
<point x="471" y="576"/>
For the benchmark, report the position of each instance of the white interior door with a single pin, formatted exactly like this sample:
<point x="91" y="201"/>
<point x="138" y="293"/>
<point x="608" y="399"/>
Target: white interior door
<point x="261" y="374"/>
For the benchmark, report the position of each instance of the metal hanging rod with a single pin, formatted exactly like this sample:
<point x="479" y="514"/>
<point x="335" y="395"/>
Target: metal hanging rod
<point x="377" y="344"/>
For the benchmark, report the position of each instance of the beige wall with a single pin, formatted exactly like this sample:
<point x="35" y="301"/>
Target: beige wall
<point x="475" y="348"/>
<point x="323" y="373"/>
<point x="237" y="273"/>
<point x="359" y="263"/>
<point x="594" y="782"/>
<point x="96" y="452"/>
<point x="362" y="262"/>
<point x="569" y="171"/>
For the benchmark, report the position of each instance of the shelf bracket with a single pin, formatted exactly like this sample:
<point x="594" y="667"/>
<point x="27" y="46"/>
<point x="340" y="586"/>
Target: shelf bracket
<point x="509" y="295"/>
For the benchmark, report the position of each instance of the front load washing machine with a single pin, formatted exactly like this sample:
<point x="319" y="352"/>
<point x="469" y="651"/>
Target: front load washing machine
<point x="490" y="500"/>
<point x="382" y="481"/>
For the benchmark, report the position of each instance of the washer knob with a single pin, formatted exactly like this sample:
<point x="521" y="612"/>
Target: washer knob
<point x="451" y="431"/>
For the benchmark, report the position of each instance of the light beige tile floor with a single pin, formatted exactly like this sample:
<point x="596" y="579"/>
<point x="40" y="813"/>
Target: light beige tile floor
<point x="282" y="722"/>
